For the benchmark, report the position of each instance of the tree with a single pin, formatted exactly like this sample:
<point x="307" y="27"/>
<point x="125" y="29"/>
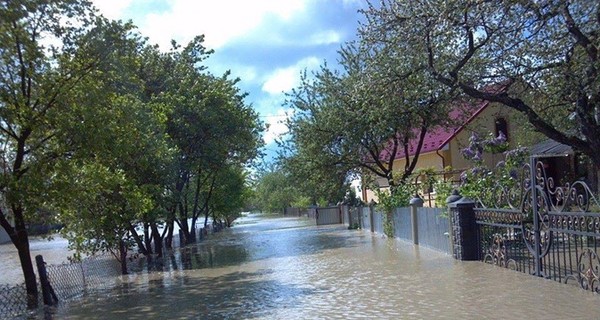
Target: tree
<point x="211" y="128"/>
<point x="274" y="191"/>
<point x="315" y="180"/>
<point x="362" y="119"/>
<point x="229" y="196"/>
<point x="544" y="52"/>
<point x="38" y="83"/>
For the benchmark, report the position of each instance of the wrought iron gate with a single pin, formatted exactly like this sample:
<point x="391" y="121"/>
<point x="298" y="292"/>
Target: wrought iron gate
<point x="544" y="229"/>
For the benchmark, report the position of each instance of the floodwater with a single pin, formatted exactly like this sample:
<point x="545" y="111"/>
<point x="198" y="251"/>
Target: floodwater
<point x="54" y="250"/>
<point x="285" y="268"/>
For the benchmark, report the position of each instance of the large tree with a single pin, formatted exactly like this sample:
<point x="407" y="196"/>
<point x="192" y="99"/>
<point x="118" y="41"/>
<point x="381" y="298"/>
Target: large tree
<point x="363" y="118"/>
<point x="211" y="127"/>
<point x="47" y="48"/>
<point x="545" y="52"/>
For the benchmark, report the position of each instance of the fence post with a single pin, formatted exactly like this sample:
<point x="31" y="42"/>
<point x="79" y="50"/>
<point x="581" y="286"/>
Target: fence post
<point x="415" y="203"/>
<point x="465" y="245"/>
<point x="50" y="298"/>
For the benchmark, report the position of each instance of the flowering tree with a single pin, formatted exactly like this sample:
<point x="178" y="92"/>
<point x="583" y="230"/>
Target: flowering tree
<point x="486" y="184"/>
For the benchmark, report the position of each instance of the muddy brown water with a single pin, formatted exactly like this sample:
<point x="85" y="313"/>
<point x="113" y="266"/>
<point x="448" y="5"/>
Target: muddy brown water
<point x="287" y="268"/>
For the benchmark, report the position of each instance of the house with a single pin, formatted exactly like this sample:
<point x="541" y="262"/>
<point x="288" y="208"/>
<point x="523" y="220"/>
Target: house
<point x="442" y="147"/>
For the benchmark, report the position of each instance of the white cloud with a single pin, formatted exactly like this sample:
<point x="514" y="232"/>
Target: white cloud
<point x="285" y="79"/>
<point x="276" y="125"/>
<point x="220" y="21"/>
<point x="325" y="37"/>
<point x="112" y="9"/>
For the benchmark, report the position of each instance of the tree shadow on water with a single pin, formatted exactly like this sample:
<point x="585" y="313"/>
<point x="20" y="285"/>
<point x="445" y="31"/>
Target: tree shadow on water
<point x="237" y="249"/>
<point x="234" y="295"/>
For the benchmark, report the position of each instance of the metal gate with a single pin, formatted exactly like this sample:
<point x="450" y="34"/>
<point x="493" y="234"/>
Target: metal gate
<point x="547" y="230"/>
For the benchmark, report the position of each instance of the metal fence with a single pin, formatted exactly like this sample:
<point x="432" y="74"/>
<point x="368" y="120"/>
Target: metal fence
<point x="73" y="280"/>
<point x="366" y="218"/>
<point x="328" y="215"/>
<point x="550" y="230"/>
<point x="378" y="221"/>
<point x="13" y="301"/>
<point x="69" y="281"/>
<point x="434" y="226"/>
<point x="402" y="224"/>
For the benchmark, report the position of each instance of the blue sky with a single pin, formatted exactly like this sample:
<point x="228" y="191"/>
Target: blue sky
<point x="266" y="43"/>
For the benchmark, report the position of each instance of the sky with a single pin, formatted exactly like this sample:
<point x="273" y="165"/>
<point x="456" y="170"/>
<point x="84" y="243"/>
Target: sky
<point x="266" y="43"/>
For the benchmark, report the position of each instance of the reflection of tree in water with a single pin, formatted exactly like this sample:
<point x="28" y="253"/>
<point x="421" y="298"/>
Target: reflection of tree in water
<point x="209" y="256"/>
<point x="235" y="295"/>
<point x="196" y="256"/>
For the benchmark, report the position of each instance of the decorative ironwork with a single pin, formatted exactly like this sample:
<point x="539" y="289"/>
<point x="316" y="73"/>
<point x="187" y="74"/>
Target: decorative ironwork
<point x="497" y="254"/>
<point x="551" y="219"/>
<point x="588" y="266"/>
<point x="576" y="196"/>
<point x="499" y="216"/>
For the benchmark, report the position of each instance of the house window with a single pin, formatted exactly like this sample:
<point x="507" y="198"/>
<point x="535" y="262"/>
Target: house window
<point x="501" y="126"/>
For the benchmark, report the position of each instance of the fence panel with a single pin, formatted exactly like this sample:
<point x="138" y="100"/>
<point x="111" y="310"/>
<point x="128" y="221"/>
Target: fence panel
<point x="500" y="238"/>
<point x="331" y="215"/>
<point x="402" y="224"/>
<point x="378" y="218"/>
<point x="433" y="229"/>
<point x="345" y="219"/>
<point x="73" y="280"/>
<point x="365" y="218"/>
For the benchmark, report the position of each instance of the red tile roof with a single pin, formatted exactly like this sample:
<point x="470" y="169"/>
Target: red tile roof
<point x="437" y="138"/>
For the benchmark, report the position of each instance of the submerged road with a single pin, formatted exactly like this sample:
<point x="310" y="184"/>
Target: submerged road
<point x="286" y="268"/>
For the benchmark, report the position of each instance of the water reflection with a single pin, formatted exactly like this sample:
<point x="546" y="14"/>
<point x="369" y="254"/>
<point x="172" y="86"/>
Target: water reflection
<point x="286" y="269"/>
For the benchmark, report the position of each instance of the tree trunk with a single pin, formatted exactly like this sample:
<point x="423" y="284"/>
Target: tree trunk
<point x="27" y="268"/>
<point x="158" y="248"/>
<point x="123" y="256"/>
<point x="147" y="238"/>
<point x="183" y="224"/>
<point x="20" y="239"/>
<point x="169" y="237"/>
<point x="206" y="219"/>
<point x="138" y="240"/>
<point x="192" y="232"/>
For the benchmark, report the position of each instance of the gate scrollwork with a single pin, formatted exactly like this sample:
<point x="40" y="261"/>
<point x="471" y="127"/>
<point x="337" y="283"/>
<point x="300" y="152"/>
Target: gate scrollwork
<point x="497" y="254"/>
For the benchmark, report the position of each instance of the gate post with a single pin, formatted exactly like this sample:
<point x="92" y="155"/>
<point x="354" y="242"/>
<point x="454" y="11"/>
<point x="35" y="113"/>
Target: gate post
<point x="465" y="245"/>
<point x="536" y="218"/>
<point x="415" y="203"/>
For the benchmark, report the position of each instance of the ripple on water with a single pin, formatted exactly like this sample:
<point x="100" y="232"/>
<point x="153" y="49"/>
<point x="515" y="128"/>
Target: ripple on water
<point x="291" y="271"/>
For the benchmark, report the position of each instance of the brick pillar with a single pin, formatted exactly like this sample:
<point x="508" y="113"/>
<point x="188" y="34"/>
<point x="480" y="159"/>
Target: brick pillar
<point x="464" y="229"/>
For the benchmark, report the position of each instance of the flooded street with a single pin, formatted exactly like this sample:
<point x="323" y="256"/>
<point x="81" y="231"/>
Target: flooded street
<point x="285" y="268"/>
<point x="54" y="252"/>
